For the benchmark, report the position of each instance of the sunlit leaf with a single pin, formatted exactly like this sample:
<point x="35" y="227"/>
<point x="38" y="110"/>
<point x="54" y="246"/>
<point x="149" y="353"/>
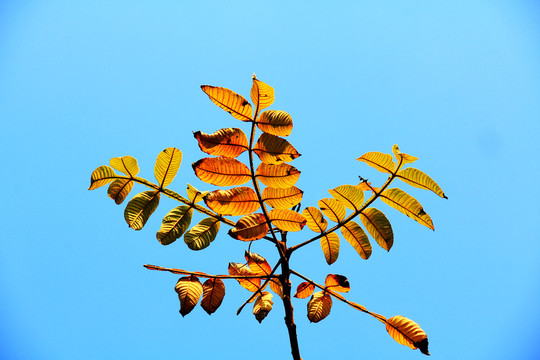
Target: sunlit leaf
<point x="304" y="290"/>
<point x="287" y="220"/>
<point x="355" y="235"/>
<point x="167" y="165"/>
<point x="378" y="227"/>
<point x="189" y="290"/>
<point x="380" y="161"/>
<point x="333" y="209"/>
<point x="235" y="201"/>
<point x="275" y="122"/>
<point x="119" y="190"/>
<point x="126" y="164"/>
<point x="229" y="142"/>
<point x="174" y="224"/>
<point x="282" y="198"/>
<point x="262" y="94"/>
<point x="408" y="333"/>
<point x="201" y="235"/>
<point x="319" y="306"/>
<point x="250" y="227"/>
<point x="102" y="176"/>
<point x="257" y="264"/>
<point x="276" y="287"/>
<point x="139" y="209"/>
<point x="330" y="247"/>
<point x="213" y="294"/>
<point x="400" y="200"/>
<point x="280" y="176"/>
<point x="366" y="186"/>
<point x="222" y="171"/>
<point x="351" y="196"/>
<point x="401" y="157"/>
<point x="262" y="305"/>
<point x="420" y="180"/>
<point x="274" y="150"/>
<point x="314" y="219"/>
<point x="237" y="269"/>
<point x="337" y="282"/>
<point x="229" y="101"/>
<point x="195" y="195"/>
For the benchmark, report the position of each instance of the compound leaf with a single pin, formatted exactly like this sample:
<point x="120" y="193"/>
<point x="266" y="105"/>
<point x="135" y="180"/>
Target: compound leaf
<point x="333" y="209"/>
<point x="139" y="209"/>
<point x="274" y="150"/>
<point x="102" y="176"/>
<point x="355" y="235"/>
<point x="229" y="101"/>
<point x="237" y="269"/>
<point x="275" y="122"/>
<point x="408" y="333"/>
<point x="337" y="282"/>
<point x="282" y="198"/>
<point x="262" y="94"/>
<point x="167" y="165"/>
<point x="235" y="201"/>
<point x="403" y="202"/>
<point x="314" y="219"/>
<point x="222" y="171"/>
<point x="304" y="290"/>
<point x="229" y="142"/>
<point x="280" y="176"/>
<point x="201" y="235"/>
<point x="287" y="220"/>
<point x="319" y="306"/>
<point x="351" y="196"/>
<point x="330" y="247"/>
<point x="262" y="305"/>
<point x="420" y="180"/>
<point x="174" y="224"/>
<point x="250" y="227"/>
<point x="126" y="164"/>
<point x="378" y="227"/>
<point x="189" y="290"/>
<point x="119" y="190"/>
<point x="195" y="195"/>
<point x="213" y="294"/>
<point x="380" y="161"/>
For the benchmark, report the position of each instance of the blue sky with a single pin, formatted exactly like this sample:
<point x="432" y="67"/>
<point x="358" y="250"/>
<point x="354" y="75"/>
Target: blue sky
<point x="455" y="83"/>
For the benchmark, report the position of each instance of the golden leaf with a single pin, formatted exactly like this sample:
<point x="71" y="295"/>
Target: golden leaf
<point x="237" y="269"/>
<point x="280" y="176"/>
<point x="304" y="290"/>
<point x="229" y="101"/>
<point x="353" y="233"/>
<point x="378" y="227"/>
<point x="274" y="150"/>
<point x="201" y="235"/>
<point x="282" y="198"/>
<point x="167" y="165"/>
<point x="403" y="202"/>
<point x="195" y="195"/>
<point x="275" y="122"/>
<point x="380" y="161"/>
<point x="314" y="219"/>
<point x="262" y="305"/>
<point x="276" y="287"/>
<point x="222" y="171"/>
<point x="235" y="201"/>
<point x="250" y="227"/>
<point x="319" y="306"/>
<point x="229" y="142"/>
<point x="101" y="176"/>
<point x="139" y="209"/>
<point x="287" y="220"/>
<point x="420" y="180"/>
<point x="262" y="94"/>
<point x="333" y="209"/>
<point x="401" y="157"/>
<point x="257" y="264"/>
<point x="174" y="224"/>
<point x="351" y="196"/>
<point x="408" y="333"/>
<point x="330" y="247"/>
<point x="213" y="294"/>
<point x="189" y="290"/>
<point x="126" y="164"/>
<point x="337" y="282"/>
<point x="119" y="190"/>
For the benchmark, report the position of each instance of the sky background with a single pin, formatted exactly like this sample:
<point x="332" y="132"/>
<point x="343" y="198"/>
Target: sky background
<point x="455" y="83"/>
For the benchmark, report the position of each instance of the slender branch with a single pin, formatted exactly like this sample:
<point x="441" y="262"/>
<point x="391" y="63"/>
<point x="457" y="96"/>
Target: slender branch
<point x="209" y="276"/>
<point x="260" y="287"/>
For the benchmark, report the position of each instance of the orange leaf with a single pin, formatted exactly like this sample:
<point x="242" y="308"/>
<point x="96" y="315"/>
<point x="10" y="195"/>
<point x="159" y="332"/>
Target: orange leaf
<point x="337" y="282"/>
<point x="287" y="220"/>
<point x="304" y="290"/>
<point x="189" y="291"/>
<point x="229" y="142"/>
<point x="407" y="332"/>
<point x="250" y="227"/>
<point x="314" y="219"/>
<point x="282" y="198"/>
<point x="229" y="101"/>
<point x="280" y="176"/>
<point x="275" y="122"/>
<point x="257" y="264"/>
<point x="330" y="247"/>
<point x="237" y="269"/>
<point x="213" y="294"/>
<point x="262" y="94"/>
<point x="235" y="201"/>
<point x="274" y="150"/>
<point x="319" y="306"/>
<point x="222" y="171"/>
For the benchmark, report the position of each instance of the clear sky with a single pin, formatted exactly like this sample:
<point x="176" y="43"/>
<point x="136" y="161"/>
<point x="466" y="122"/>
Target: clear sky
<point x="455" y="83"/>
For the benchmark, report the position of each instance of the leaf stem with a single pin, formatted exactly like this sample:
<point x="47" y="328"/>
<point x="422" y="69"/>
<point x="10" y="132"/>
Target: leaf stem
<point x="209" y="276"/>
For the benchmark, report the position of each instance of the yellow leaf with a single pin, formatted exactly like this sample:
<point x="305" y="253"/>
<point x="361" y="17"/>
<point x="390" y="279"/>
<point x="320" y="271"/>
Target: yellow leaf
<point x="274" y="150"/>
<point x="119" y="190"/>
<point x="333" y="209"/>
<point x="353" y="233"/>
<point x="262" y="305"/>
<point x="319" y="306"/>
<point x="380" y="161"/>
<point x="330" y="247"/>
<point x="351" y="196"/>
<point x="378" y="227"/>
<point x="101" y="176"/>
<point x="139" y="209"/>
<point x="287" y="220"/>
<point x="314" y="219"/>
<point x="282" y="198"/>
<point x="229" y="142"/>
<point x="280" y="176"/>
<point x="408" y="333"/>
<point x="251" y="284"/>
<point x="304" y="290"/>
<point x="262" y="94"/>
<point x="126" y="164"/>
<point x="195" y="195"/>
<point x="229" y="101"/>
<point x="235" y="201"/>
<point x="403" y="202"/>
<point x="167" y="165"/>
<point x="257" y="264"/>
<point x="401" y="157"/>
<point x="189" y="290"/>
<point x="213" y="294"/>
<point x="222" y="171"/>
<point x="420" y="180"/>
<point x="337" y="282"/>
<point x="201" y="235"/>
<point x="250" y="227"/>
<point x="275" y="122"/>
<point x="174" y="224"/>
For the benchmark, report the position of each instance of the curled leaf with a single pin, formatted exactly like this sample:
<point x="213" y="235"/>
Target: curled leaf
<point x="126" y="164"/>
<point x="139" y="209"/>
<point x="250" y="227"/>
<point x="195" y="195"/>
<point x="337" y="282"/>
<point x="119" y="190"/>
<point x="319" y="306"/>
<point x="274" y="150"/>
<point x="401" y="157"/>
<point x="213" y="294"/>
<point x="262" y="305"/>
<point x="229" y="142"/>
<point x="237" y="269"/>
<point x="314" y="219"/>
<point x="174" y="224"/>
<point x="189" y="290"/>
<point x="304" y="290"/>
<point x="235" y="201"/>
